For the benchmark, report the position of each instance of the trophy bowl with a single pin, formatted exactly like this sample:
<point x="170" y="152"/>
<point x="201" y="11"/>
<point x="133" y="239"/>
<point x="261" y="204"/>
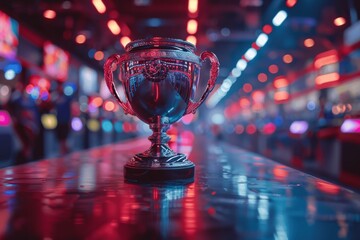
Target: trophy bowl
<point x="160" y="76"/>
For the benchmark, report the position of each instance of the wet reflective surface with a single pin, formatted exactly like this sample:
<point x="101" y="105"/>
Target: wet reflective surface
<point x="236" y="195"/>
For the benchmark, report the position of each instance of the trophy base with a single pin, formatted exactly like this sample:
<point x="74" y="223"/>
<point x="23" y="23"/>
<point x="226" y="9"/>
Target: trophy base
<point x="176" y="169"/>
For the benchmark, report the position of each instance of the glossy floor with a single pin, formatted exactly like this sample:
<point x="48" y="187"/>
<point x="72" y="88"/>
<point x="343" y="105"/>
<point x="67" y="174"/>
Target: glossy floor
<point x="236" y="195"/>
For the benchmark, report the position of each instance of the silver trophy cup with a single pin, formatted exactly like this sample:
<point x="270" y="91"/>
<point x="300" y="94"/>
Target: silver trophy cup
<point x="160" y="76"/>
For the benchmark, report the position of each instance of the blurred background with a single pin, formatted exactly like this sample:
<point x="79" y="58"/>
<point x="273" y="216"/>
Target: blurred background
<point x="288" y="87"/>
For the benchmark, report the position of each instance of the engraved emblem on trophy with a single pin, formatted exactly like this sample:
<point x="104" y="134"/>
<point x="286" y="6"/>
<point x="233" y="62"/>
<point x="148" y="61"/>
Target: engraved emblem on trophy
<point x="160" y="76"/>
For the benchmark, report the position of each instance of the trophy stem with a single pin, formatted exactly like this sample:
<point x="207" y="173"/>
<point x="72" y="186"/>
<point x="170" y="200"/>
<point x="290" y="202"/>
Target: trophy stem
<point x="159" y="139"/>
<point x="159" y="162"/>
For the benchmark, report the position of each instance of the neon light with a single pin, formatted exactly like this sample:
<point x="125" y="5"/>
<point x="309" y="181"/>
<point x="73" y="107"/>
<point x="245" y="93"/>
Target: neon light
<point x="339" y="21"/>
<point x="309" y="42"/>
<point x="49" y="121"/>
<point x="99" y="5"/>
<point x="280" y="82"/>
<point x="192" y="26"/>
<point x="251" y="129"/>
<point x="326" y="58"/>
<point x="269" y="128"/>
<point x="107" y="126"/>
<point x="327" y="78"/>
<point x="247" y="87"/>
<point x="49" y="14"/>
<point x="193" y="6"/>
<point x="262" y="77"/>
<point x="241" y="64"/>
<point x="5" y="119"/>
<point x="250" y="54"/>
<point x="109" y="106"/>
<point x="124" y="41"/>
<point x="273" y="68"/>
<point x="244" y="102"/>
<point x="76" y="124"/>
<point x="261" y="39"/>
<point x="350" y="126"/>
<point x="281" y="96"/>
<point x="299" y="127"/>
<point x="291" y="3"/>
<point x="80" y="39"/>
<point x="191" y="39"/>
<point x="114" y="27"/>
<point x="279" y="18"/>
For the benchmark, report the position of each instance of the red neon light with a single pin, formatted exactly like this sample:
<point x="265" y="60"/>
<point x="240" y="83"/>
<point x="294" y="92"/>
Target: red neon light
<point x="273" y="68"/>
<point x="244" y="102"/>
<point x="326" y="58"/>
<point x="327" y="78"/>
<point x="280" y="82"/>
<point x="290" y="3"/>
<point x="247" y="87"/>
<point x="251" y="129"/>
<point x="49" y="14"/>
<point x="269" y="128"/>
<point x="327" y="187"/>
<point x="267" y="29"/>
<point x="262" y="77"/>
<point x="280" y="172"/>
<point x="281" y="96"/>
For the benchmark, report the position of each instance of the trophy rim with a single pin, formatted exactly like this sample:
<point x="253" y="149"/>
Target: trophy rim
<point x="160" y="41"/>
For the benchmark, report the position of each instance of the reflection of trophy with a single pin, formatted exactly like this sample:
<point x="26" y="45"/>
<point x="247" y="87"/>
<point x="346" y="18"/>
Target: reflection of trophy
<point x="160" y="76"/>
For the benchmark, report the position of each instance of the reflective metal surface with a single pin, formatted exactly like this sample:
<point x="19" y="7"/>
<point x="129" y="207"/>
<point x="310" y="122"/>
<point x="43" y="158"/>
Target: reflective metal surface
<point x="236" y="195"/>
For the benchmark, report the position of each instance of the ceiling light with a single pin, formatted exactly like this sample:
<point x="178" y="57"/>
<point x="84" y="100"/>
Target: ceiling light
<point x="49" y="14"/>
<point x="241" y="64"/>
<point x="80" y="39"/>
<point x="339" y="21"/>
<point x="99" y="5"/>
<point x="192" y="26"/>
<point x="193" y="6"/>
<point x="291" y="3"/>
<point x="273" y="69"/>
<point x="279" y="18"/>
<point x="250" y="54"/>
<point x="191" y="39"/>
<point x="99" y="55"/>
<point x="287" y="58"/>
<point x="261" y="40"/>
<point x="247" y="87"/>
<point x="309" y="42"/>
<point x="124" y="41"/>
<point x="114" y="27"/>
<point x="236" y="72"/>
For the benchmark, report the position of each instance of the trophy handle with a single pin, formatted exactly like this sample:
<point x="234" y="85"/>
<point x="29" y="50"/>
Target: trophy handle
<point x="214" y="72"/>
<point x="110" y="65"/>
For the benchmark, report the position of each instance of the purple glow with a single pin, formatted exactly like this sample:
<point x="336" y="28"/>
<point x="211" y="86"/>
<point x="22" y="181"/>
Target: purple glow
<point x="350" y="126"/>
<point x="76" y="124"/>
<point x="299" y="127"/>
<point x="5" y="118"/>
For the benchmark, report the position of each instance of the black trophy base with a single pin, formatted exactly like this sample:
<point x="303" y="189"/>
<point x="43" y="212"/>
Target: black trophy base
<point x="142" y="169"/>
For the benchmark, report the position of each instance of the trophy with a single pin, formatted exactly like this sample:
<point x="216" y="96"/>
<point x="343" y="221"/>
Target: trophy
<point x="160" y="76"/>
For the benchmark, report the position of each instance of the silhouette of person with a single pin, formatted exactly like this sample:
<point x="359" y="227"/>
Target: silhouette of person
<point x="26" y="121"/>
<point x="62" y="105"/>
